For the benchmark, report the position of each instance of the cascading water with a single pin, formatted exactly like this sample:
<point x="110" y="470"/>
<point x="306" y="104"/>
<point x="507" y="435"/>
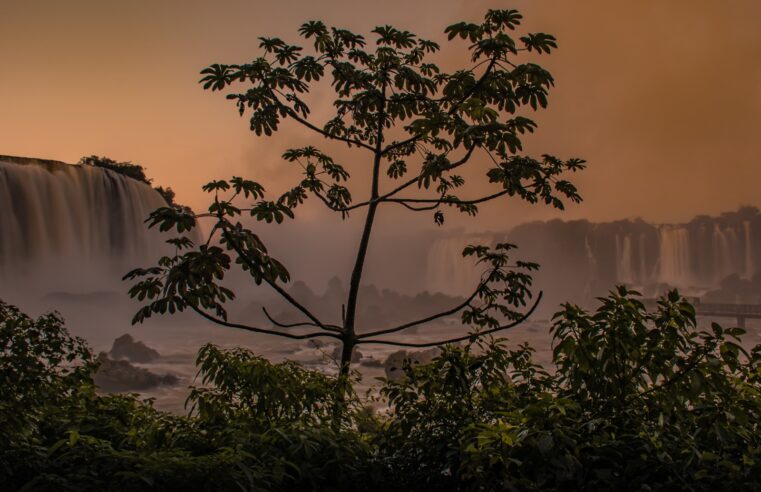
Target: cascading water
<point x="624" y="270"/>
<point x="750" y="269"/>
<point x="447" y="271"/>
<point x="674" y="256"/>
<point x="64" y="225"/>
<point x="580" y="257"/>
<point x="725" y="252"/>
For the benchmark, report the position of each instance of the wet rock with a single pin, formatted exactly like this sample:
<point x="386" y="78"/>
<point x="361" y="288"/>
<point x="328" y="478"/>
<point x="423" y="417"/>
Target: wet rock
<point x="394" y="364"/>
<point x="120" y="375"/>
<point x="370" y="362"/>
<point x="125" y="347"/>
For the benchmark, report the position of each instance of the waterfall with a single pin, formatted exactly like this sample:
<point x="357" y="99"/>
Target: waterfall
<point x="624" y="272"/>
<point x="644" y="275"/>
<point x="674" y="256"/>
<point x="749" y="266"/>
<point x="447" y="271"/>
<point x="581" y="259"/>
<point x="77" y="222"/>
<point x="725" y="244"/>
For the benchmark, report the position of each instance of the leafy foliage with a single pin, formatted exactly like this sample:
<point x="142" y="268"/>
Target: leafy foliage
<point x="134" y="171"/>
<point x="39" y="364"/>
<point x="635" y="400"/>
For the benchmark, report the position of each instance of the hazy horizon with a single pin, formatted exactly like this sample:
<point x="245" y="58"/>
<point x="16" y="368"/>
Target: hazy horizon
<point x="662" y="98"/>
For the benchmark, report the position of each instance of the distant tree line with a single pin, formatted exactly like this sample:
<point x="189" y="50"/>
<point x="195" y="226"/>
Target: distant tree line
<point x="127" y="168"/>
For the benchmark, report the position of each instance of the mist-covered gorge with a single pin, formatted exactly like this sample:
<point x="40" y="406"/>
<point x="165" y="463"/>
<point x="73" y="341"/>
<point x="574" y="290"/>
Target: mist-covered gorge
<point x="580" y="260"/>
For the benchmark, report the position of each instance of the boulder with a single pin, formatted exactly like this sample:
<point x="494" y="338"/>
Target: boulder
<point x="120" y="375"/>
<point x="394" y="364"/>
<point x="370" y="362"/>
<point x="125" y="347"/>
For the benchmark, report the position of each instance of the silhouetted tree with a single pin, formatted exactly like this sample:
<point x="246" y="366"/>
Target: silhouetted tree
<point x="134" y="171"/>
<point x="414" y="125"/>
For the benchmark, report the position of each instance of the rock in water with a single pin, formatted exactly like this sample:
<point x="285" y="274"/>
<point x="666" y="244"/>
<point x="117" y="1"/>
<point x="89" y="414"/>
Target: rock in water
<point x="125" y="347"/>
<point x="120" y="375"/>
<point x="394" y="365"/>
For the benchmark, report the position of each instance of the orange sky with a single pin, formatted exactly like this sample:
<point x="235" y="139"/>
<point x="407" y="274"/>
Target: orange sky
<point x="663" y="98"/>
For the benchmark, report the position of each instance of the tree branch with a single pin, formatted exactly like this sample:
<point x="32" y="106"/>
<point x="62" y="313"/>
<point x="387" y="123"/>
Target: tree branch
<point x="462" y="338"/>
<point x="414" y="180"/>
<point x="285" y="295"/>
<point x="424" y="320"/>
<point x="446" y="200"/>
<point x="222" y="322"/>
<point x="292" y="113"/>
<point x="296" y="325"/>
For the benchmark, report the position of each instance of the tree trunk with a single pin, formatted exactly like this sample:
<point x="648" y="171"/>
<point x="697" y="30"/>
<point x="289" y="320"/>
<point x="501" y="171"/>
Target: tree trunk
<point x="340" y="406"/>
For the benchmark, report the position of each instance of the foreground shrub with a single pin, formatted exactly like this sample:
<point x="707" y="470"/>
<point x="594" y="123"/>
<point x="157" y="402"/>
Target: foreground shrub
<point x="634" y="400"/>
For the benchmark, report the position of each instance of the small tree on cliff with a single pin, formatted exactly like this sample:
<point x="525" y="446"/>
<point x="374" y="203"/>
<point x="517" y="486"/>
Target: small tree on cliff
<point x="413" y="125"/>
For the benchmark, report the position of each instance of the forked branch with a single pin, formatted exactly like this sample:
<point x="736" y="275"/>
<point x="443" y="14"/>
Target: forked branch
<point x="254" y="329"/>
<point x="428" y="319"/>
<point x="479" y="334"/>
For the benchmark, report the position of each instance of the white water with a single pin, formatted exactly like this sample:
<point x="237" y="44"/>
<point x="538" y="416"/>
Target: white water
<point x="693" y="257"/>
<point x="750" y="268"/>
<point x="624" y="270"/>
<point x="67" y="227"/>
<point x="674" y="256"/>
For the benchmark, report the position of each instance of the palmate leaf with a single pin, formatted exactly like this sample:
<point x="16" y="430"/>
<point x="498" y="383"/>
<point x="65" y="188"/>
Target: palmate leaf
<point x="539" y="42"/>
<point x="216" y="77"/>
<point x="271" y="211"/>
<point x="397" y="169"/>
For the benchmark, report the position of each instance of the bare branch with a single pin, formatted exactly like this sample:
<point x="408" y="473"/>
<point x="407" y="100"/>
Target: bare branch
<point x="424" y="320"/>
<point x="445" y="200"/>
<point x="254" y="329"/>
<point x="462" y="338"/>
<point x="296" y="325"/>
<point x="420" y="209"/>
<point x="283" y="293"/>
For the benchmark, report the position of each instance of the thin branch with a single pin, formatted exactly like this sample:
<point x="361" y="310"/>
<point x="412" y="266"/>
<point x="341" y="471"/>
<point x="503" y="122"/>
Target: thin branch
<point x="254" y="329"/>
<point x="414" y="180"/>
<point x="283" y="293"/>
<point x="462" y="338"/>
<point x="424" y="320"/>
<point x="296" y="325"/>
<point x="385" y="196"/>
<point x="445" y="200"/>
<point x="293" y="114"/>
<point x="420" y="209"/>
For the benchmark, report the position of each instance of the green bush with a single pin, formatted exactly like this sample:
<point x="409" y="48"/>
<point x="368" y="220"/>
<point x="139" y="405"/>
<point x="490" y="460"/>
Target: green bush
<point x="634" y="400"/>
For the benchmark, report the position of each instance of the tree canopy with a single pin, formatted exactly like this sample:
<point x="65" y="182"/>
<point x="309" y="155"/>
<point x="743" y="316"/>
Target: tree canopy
<point x="413" y="125"/>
